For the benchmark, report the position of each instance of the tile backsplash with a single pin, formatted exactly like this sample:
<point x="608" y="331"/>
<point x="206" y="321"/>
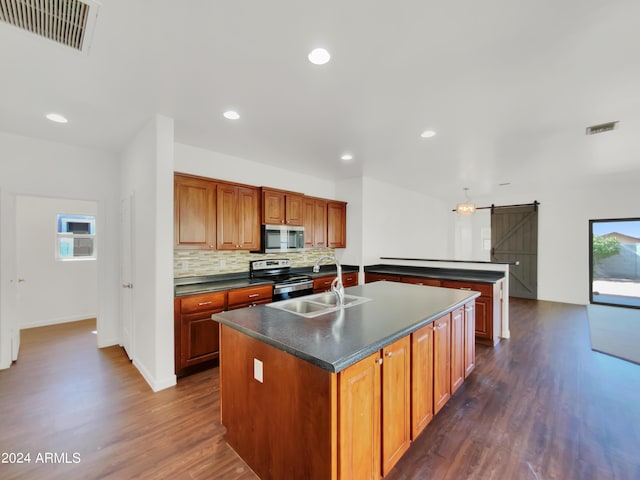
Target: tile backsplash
<point x="190" y="263"/>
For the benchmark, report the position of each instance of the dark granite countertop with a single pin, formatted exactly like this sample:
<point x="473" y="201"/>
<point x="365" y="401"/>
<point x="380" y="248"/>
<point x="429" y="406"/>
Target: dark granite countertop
<point x="213" y="283"/>
<point x="336" y="340"/>
<point x="464" y="275"/>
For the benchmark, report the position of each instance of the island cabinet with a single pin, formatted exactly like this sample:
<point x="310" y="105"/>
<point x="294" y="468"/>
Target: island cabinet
<point x="469" y="338"/>
<point x="421" y="379"/>
<point x="238" y="226"/>
<point x="441" y="362"/>
<point x="288" y="417"/>
<point x="281" y="207"/>
<point x="196" y="335"/>
<point x="315" y="222"/>
<point x="194" y="210"/>
<point x="457" y="349"/>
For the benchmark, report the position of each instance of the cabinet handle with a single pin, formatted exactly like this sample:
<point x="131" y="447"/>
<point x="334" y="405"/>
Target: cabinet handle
<point x="204" y="303"/>
<point x="379" y="361"/>
<point x="254" y="295"/>
<point x="388" y="354"/>
<point x="465" y="288"/>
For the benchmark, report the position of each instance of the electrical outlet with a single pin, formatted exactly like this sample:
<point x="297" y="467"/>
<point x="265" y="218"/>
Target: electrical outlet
<point x="223" y="263"/>
<point x="257" y="370"/>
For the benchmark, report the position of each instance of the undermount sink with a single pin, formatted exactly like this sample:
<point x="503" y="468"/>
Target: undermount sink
<point x="317" y="304"/>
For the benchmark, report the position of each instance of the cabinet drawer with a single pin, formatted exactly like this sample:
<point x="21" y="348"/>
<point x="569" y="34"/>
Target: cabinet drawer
<point x="431" y="282"/>
<point x="203" y="302"/>
<point x="249" y="295"/>
<point x="350" y="279"/>
<point x="485" y="289"/>
<point x="375" y="277"/>
<point x="322" y="283"/>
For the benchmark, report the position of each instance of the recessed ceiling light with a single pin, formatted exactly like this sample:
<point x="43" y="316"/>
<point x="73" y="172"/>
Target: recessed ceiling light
<point x="56" y="117"/>
<point x="346" y="157"/>
<point x="231" y="115"/>
<point x="319" y="56"/>
<point x="427" y="134"/>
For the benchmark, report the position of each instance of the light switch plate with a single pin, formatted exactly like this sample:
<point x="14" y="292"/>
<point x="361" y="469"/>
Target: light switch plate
<point x="257" y="370"/>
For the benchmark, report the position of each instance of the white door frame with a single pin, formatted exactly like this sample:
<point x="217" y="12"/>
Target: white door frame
<point x="9" y="330"/>
<point x="127" y="274"/>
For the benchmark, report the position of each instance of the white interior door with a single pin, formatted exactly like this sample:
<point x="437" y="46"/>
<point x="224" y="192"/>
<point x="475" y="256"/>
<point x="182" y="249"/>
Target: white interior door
<point x="126" y="274"/>
<point x="9" y="327"/>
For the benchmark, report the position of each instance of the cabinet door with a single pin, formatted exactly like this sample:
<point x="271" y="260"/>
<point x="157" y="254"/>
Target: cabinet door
<point x="469" y="338"/>
<point x="396" y="402"/>
<point x="421" y="379"/>
<point x="248" y="219"/>
<point x="359" y="420"/>
<point x="336" y="224"/>
<point x="350" y="279"/>
<point x="457" y="348"/>
<point x="441" y="362"/>
<point x="194" y="213"/>
<point x="199" y="338"/>
<point x="308" y="215"/>
<point x="484" y="327"/>
<point x="238" y="227"/>
<point x="320" y="223"/>
<point x="227" y="234"/>
<point x="272" y="207"/>
<point x="294" y="213"/>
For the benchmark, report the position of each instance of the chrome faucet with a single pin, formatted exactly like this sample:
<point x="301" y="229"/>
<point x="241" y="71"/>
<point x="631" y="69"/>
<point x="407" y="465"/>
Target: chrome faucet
<point x="336" y="286"/>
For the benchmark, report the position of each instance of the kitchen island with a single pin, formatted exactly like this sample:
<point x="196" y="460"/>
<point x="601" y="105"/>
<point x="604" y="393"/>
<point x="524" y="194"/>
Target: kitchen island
<point x="342" y="395"/>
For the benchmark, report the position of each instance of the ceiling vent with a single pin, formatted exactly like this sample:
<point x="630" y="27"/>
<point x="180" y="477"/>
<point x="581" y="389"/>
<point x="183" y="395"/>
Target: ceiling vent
<point x="603" y="127"/>
<point x="66" y="22"/>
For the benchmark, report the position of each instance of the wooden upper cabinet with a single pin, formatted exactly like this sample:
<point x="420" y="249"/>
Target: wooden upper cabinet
<point x="238" y="226"/>
<point x="315" y="222"/>
<point x="280" y="207"/>
<point x="194" y="212"/>
<point x="336" y="224"/>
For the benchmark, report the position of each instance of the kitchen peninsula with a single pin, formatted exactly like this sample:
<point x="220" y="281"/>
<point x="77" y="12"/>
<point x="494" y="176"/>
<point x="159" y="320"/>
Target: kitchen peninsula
<point x="342" y="395"/>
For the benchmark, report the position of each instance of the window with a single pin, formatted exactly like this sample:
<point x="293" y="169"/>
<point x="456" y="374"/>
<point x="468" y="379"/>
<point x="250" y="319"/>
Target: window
<point x="76" y="237"/>
<point x="614" y="260"/>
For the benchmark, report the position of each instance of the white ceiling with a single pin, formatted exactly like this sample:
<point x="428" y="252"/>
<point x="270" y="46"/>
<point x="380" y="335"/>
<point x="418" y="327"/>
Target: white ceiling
<point x="509" y="86"/>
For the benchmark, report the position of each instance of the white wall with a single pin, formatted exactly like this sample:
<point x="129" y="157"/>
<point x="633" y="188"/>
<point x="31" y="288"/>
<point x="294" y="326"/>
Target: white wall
<point x="206" y="163"/>
<point x="147" y="173"/>
<point x="65" y="290"/>
<point x="563" y="231"/>
<point x="39" y="168"/>
<point x="402" y="223"/>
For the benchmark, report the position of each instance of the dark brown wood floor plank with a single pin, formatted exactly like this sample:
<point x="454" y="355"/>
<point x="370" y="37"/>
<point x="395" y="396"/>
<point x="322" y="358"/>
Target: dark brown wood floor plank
<point x="540" y="405"/>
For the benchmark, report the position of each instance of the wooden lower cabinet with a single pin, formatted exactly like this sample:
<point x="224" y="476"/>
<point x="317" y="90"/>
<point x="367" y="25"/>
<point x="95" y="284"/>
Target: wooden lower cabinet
<point x="196" y="335"/>
<point x="441" y="362"/>
<point x="375" y="277"/>
<point x="323" y="284"/>
<point x="457" y="349"/>
<point x="396" y="402"/>
<point x="249" y="296"/>
<point x="359" y="420"/>
<point x="350" y="279"/>
<point x="469" y="338"/>
<point x="421" y="379"/>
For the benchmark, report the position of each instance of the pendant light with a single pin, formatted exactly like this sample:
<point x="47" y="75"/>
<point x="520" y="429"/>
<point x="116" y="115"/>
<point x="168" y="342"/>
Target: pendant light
<point x="467" y="207"/>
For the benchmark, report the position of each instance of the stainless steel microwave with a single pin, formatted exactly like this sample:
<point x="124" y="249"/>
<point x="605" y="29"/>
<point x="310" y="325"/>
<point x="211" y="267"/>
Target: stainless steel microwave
<point x="281" y="238"/>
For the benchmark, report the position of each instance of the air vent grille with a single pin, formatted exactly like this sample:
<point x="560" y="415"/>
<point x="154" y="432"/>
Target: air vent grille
<point x="603" y="127"/>
<point x="63" y="21"/>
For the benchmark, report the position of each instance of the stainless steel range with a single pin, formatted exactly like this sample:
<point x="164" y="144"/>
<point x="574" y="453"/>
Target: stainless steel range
<point x="286" y="284"/>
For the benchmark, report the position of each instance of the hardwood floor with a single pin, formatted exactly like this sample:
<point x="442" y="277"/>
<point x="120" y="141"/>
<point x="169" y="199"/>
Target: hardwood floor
<point x="540" y="405"/>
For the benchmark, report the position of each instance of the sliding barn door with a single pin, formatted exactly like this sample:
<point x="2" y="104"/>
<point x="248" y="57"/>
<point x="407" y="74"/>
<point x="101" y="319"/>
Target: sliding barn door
<point x="514" y="238"/>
